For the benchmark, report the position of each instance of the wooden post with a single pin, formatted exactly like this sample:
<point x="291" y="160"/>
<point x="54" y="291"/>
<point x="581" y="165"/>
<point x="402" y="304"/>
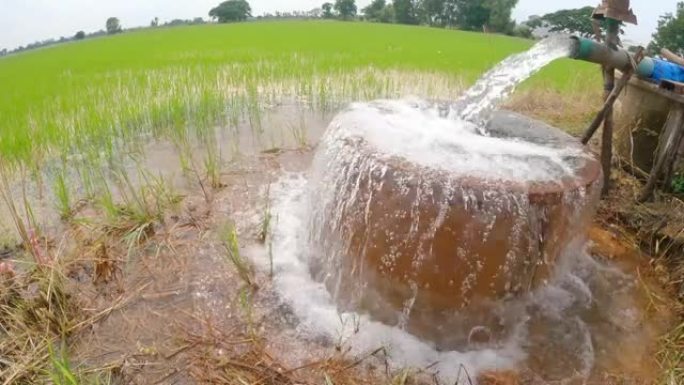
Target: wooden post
<point x="612" y="97"/>
<point x="613" y="28"/>
<point x="668" y="147"/>
<point x="607" y="106"/>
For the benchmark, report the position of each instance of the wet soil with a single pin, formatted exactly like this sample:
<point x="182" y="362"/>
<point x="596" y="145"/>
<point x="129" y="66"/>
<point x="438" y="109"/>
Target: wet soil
<point x="186" y="316"/>
<point x="175" y="309"/>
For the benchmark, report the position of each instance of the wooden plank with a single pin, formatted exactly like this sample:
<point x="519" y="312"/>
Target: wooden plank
<point x="668" y="147"/>
<point x="656" y="89"/>
<point x="672" y="86"/>
<point x="607" y="108"/>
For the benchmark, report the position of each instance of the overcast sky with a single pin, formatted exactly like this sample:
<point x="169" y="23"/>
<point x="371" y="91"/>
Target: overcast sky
<point x="25" y="21"/>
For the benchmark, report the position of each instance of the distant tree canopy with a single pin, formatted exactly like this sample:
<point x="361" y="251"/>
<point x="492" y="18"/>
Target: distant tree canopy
<point x="487" y="15"/>
<point x="373" y="11"/>
<point x="113" y="25"/>
<point x="474" y="15"/>
<point x="346" y="9"/>
<point x="439" y="13"/>
<point x="573" y="21"/>
<point x="231" y="11"/>
<point x="379" y="11"/>
<point x="327" y="11"/>
<point x="405" y="12"/>
<point x="80" y="35"/>
<point x="670" y="32"/>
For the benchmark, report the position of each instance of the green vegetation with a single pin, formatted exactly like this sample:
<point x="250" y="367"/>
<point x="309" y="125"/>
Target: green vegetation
<point x="668" y="35"/>
<point x="231" y="11"/>
<point x="160" y="80"/>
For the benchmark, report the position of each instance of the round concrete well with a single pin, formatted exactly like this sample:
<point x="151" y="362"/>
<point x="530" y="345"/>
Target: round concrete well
<point x="418" y="220"/>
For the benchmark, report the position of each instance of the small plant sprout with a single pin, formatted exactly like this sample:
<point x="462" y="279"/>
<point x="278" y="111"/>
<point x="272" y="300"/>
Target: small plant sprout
<point x="229" y="238"/>
<point x="62" y="195"/>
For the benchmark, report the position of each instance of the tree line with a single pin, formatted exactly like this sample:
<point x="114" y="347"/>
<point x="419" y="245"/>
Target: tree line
<point x="472" y="15"/>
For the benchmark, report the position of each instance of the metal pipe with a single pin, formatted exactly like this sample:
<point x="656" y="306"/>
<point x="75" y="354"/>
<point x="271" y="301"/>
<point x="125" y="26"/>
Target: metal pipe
<point x="594" y="52"/>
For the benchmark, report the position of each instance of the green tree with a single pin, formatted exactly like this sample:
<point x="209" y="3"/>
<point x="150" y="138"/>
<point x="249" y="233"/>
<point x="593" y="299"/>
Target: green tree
<point x="346" y="9"/>
<point x="373" y="11"/>
<point x="80" y="35"/>
<point x="574" y="21"/>
<point x="113" y="25"/>
<point x="432" y="12"/>
<point x="670" y="32"/>
<point x="500" y="15"/>
<point x="489" y="15"/>
<point x="472" y="15"/>
<point x="405" y="12"/>
<point x="231" y="11"/>
<point x="154" y="22"/>
<point x="327" y="10"/>
<point x="387" y="14"/>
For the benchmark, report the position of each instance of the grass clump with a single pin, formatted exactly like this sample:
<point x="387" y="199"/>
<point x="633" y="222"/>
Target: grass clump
<point x="229" y="240"/>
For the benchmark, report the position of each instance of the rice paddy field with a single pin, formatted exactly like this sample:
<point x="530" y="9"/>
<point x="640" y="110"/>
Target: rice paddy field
<point x="56" y="99"/>
<point x="136" y="174"/>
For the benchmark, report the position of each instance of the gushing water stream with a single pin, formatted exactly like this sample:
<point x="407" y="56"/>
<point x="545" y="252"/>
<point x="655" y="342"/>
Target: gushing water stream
<point x="477" y="104"/>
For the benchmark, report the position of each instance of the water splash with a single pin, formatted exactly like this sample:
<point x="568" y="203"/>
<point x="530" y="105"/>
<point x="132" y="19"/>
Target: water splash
<point x="551" y="327"/>
<point x="414" y="130"/>
<point x="477" y="104"/>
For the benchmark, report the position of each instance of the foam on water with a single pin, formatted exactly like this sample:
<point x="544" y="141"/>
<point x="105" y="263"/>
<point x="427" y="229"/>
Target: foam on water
<point x="418" y="132"/>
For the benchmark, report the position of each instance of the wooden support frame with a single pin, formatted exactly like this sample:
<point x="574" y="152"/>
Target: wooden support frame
<point x="666" y="154"/>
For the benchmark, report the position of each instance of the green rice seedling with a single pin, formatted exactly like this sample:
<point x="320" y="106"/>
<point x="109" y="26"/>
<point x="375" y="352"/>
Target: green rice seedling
<point x="229" y="238"/>
<point x="299" y="132"/>
<point x="105" y="199"/>
<point x="191" y="170"/>
<point x="61" y="373"/>
<point x="266" y="217"/>
<point x="62" y="194"/>
<point x="265" y="228"/>
<point x="22" y="227"/>
<point x="247" y="305"/>
<point x="212" y="162"/>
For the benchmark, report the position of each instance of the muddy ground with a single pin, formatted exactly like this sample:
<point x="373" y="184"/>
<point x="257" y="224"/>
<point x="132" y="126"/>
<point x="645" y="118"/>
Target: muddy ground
<point x="184" y="313"/>
<point x="178" y="302"/>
